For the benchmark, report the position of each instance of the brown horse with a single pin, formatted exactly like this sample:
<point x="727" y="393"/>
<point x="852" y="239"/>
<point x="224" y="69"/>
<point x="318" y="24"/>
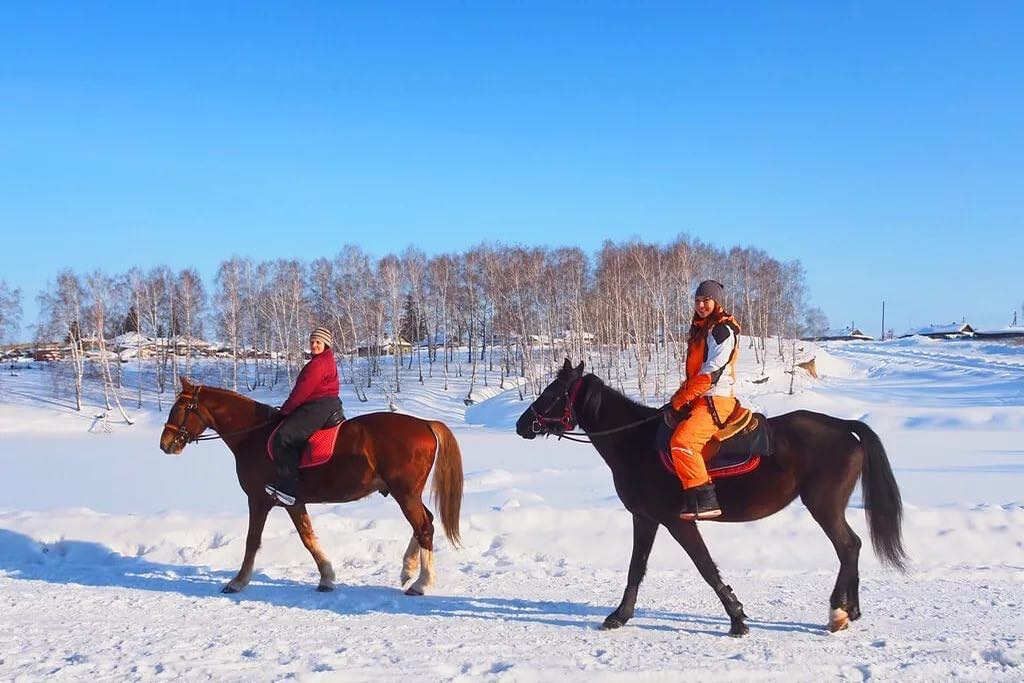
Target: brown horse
<point x="817" y="457"/>
<point x="385" y="452"/>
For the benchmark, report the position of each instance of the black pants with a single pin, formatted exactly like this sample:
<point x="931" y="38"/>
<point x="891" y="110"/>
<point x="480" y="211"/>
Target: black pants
<point x="290" y="440"/>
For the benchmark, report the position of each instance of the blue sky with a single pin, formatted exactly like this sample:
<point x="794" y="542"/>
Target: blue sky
<point x="881" y="146"/>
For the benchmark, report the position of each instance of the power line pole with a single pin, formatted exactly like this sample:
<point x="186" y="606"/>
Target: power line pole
<point x="883" y="321"/>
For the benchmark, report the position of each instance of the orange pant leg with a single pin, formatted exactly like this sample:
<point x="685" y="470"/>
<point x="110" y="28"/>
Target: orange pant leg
<point x="690" y="437"/>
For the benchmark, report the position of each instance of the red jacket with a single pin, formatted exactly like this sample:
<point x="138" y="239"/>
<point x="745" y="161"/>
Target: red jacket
<point x="318" y="379"/>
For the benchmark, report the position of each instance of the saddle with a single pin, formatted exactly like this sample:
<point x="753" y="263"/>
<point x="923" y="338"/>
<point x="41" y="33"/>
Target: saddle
<point x="320" y="446"/>
<point x="738" y="447"/>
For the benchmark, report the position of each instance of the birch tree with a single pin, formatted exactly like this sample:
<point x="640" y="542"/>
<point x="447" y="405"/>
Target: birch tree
<point x="10" y="310"/>
<point x="61" y="316"/>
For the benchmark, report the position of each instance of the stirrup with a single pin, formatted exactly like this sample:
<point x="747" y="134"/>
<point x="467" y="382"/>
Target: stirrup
<point x="279" y="496"/>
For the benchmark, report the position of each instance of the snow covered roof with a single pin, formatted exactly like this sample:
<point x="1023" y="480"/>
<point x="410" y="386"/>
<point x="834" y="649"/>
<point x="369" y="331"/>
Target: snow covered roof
<point x="954" y="328"/>
<point x="841" y="333"/>
<point x="1008" y="332"/>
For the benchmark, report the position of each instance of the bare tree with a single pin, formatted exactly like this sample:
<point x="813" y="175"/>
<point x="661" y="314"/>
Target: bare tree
<point x="10" y="310"/>
<point x="189" y="303"/>
<point x="815" y="322"/>
<point x="414" y="268"/>
<point x="100" y="288"/>
<point x="61" y="316"/>
<point x="228" y="309"/>
<point x="389" y="271"/>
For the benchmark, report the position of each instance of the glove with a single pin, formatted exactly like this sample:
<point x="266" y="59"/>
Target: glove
<point x="691" y="389"/>
<point x="670" y="415"/>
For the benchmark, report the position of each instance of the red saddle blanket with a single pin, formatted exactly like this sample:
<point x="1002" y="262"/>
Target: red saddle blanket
<point x="319" y="449"/>
<point x="739" y="454"/>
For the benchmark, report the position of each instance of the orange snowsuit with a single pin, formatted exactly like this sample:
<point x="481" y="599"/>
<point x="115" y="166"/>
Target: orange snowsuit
<point x="710" y="373"/>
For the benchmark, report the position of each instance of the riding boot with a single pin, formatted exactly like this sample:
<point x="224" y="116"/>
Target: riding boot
<point x="285" y="489"/>
<point x="700" y="502"/>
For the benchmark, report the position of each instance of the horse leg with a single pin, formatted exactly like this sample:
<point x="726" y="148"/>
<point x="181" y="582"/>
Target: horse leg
<point x="844" y="603"/>
<point x="259" y="507"/>
<point x="422" y="522"/>
<point x="644" y="531"/>
<point x="688" y="536"/>
<point x="410" y="561"/>
<point x="300" y="518"/>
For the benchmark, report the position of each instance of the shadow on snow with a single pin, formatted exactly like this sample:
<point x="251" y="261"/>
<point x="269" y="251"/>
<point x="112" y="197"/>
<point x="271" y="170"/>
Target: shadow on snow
<point x="92" y="564"/>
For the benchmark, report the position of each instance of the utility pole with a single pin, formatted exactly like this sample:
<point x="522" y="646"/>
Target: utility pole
<point x="883" y="321"/>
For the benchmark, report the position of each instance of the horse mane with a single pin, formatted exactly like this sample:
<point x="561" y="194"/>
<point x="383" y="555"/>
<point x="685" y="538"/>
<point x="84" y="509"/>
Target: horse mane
<point x="235" y="395"/>
<point x="612" y="398"/>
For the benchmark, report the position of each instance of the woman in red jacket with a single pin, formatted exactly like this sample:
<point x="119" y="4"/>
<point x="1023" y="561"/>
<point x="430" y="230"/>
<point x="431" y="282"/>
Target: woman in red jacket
<point x="312" y="404"/>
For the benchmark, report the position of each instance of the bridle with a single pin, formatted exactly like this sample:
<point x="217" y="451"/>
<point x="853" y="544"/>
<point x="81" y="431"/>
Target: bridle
<point x="568" y="420"/>
<point x="183" y="437"/>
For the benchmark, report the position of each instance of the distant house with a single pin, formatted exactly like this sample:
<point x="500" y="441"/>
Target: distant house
<point x="585" y="338"/>
<point x="47" y="352"/>
<point x="950" y="331"/>
<point x="385" y="347"/>
<point x="844" y="334"/>
<point x="1004" y="333"/>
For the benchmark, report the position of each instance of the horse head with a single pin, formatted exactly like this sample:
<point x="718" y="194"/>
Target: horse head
<point x="186" y="421"/>
<point x="552" y="412"/>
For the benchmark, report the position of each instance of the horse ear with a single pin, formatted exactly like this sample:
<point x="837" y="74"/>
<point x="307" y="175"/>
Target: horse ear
<point x="579" y="368"/>
<point x="567" y="366"/>
<point x="185" y="384"/>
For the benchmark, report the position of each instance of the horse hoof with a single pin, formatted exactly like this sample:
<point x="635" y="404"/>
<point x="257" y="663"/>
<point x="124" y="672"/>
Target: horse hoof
<point x="413" y="590"/>
<point x="739" y="630"/>
<point x="610" y="624"/>
<point x="324" y="589"/>
<point x="228" y="589"/>
<point x="839" y="620"/>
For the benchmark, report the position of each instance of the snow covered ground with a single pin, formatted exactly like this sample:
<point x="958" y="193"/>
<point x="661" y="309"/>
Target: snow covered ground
<point x="112" y="555"/>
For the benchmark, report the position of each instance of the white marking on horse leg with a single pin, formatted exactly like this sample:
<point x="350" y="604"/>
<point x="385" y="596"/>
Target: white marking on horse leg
<point x="838" y="620"/>
<point x="410" y="561"/>
<point x="426" y="577"/>
<point x="326" y="577"/>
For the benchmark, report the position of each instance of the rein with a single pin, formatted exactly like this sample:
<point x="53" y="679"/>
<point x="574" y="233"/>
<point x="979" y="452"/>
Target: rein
<point x="186" y="437"/>
<point x="567" y="421"/>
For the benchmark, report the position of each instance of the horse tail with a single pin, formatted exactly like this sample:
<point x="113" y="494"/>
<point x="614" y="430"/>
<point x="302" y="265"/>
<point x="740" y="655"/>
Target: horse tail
<point x="447" y="486"/>
<point x="882" y="504"/>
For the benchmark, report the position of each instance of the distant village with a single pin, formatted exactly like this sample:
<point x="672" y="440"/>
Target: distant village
<point x="961" y="330"/>
<point x="133" y="346"/>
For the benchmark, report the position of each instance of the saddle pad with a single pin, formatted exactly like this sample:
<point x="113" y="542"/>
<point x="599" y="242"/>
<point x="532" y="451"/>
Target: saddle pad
<point x="319" y="449"/>
<point x="721" y="466"/>
<point x="740" y="454"/>
<point x="739" y="419"/>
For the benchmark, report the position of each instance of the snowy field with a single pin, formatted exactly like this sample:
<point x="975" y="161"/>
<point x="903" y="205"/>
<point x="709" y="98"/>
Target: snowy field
<point x="112" y="555"/>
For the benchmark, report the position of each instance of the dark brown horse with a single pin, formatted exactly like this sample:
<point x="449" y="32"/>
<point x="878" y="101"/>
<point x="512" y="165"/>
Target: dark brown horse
<point x="385" y="452"/>
<point x="816" y="457"/>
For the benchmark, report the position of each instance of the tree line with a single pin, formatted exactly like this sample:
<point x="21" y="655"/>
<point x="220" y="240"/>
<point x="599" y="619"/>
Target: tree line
<point x="494" y="312"/>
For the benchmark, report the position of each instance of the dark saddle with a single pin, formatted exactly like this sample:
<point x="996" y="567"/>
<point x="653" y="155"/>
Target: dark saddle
<point x="738" y="448"/>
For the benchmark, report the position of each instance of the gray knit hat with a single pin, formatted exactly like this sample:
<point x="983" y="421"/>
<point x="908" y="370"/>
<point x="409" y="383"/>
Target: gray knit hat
<point x="712" y="289"/>
<point x="323" y="334"/>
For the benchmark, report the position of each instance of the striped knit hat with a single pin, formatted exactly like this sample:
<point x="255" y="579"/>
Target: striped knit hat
<point x="323" y="334"/>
